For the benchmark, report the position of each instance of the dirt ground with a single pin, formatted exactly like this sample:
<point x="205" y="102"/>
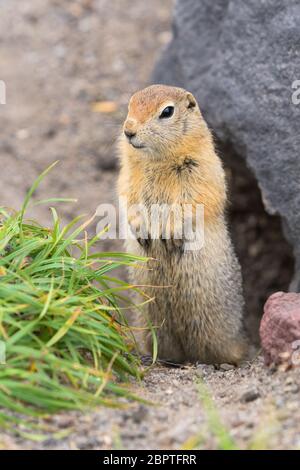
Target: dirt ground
<point x="253" y="408"/>
<point x="59" y="58"/>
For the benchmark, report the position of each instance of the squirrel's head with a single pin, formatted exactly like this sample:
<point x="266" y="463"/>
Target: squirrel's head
<point x="160" y="118"/>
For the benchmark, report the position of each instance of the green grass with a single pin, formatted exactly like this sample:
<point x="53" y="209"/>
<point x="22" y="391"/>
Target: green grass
<point x="68" y="345"/>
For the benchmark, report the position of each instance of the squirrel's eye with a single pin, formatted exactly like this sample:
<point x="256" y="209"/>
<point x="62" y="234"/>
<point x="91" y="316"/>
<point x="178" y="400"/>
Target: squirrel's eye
<point x="167" y="112"/>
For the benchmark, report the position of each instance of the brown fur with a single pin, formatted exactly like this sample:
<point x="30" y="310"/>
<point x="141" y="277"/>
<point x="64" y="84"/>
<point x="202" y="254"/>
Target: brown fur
<point x="200" y="313"/>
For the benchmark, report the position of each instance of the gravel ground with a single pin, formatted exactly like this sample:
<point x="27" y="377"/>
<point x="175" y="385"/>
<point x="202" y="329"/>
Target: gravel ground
<point x="59" y="59"/>
<point x="254" y="408"/>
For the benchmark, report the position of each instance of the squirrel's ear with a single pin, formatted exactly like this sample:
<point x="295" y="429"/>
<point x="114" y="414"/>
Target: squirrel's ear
<point x="191" y="102"/>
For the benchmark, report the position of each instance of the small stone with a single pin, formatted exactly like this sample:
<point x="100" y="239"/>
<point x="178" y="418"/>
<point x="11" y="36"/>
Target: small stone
<point x="284" y="356"/>
<point x="60" y="51"/>
<point x="22" y="134"/>
<point x="227" y="366"/>
<point x="250" y="395"/>
<point x="280" y="330"/>
<point x="51" y="132"/>
<point x="204" y="369"/>
<point x="292" y="406"/>
<point x="291" y="388"/>
<point x="280" y="402"/>
<point x="107" y="440"/>
<point x="139" y="414"/>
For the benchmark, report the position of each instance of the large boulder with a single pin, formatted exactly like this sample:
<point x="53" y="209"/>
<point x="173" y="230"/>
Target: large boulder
<point x="280" y="329"/>
<point x="240" y="59"/>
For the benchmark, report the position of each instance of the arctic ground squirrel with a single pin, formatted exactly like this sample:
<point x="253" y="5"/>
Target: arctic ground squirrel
<point x="168" y="158"/>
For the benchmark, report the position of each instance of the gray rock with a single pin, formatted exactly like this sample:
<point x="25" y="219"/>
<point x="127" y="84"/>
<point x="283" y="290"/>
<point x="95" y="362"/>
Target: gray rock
<point x="250" y="395"/>
<point x="240" y="60"/>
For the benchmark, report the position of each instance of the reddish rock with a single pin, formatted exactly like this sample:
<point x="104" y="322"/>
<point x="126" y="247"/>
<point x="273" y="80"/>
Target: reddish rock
<point x="280" y="329"/>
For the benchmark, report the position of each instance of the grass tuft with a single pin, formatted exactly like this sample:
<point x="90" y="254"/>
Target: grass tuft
<point x="67" y="342"/>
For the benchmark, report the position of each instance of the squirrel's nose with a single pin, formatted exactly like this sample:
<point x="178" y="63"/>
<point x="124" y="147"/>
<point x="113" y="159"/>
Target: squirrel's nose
<point x="129" y="134"/>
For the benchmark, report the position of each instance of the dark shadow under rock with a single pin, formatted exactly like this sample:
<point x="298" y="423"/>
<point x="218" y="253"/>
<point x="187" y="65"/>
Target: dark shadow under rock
<point x="265" y="255"/>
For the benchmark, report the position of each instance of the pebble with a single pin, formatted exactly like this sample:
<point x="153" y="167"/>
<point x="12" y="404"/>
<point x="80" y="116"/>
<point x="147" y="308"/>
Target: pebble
<point x="292" y="388"/>
<point x="22" y="134"/>
<point x="204" y="369"/>
<point x="227" y="366"/>
<point x="250" y="395"/>
<point x="292" y="406"/>
<point x="139" y="414"/>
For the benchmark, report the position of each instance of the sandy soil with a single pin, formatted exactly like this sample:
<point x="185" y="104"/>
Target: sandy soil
<point x="58" y="58"/>
<point x="253" y="408"/>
